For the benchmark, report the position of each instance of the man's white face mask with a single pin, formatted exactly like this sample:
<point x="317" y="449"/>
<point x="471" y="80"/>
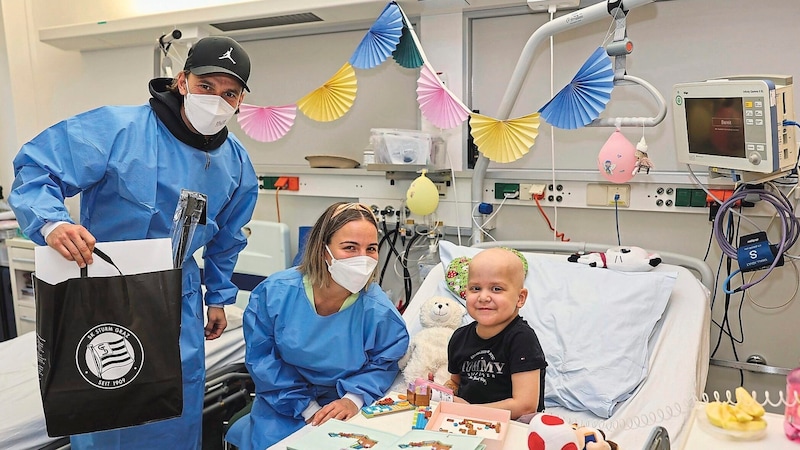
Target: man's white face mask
<point x="208" y="114"/>
<point x="351" y="273"/>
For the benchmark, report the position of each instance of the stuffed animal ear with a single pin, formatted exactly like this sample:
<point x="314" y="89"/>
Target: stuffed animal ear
<point x="456" y="276"/>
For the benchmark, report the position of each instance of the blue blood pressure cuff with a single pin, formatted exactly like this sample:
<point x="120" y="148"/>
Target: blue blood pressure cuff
<point x="755" y="252"/>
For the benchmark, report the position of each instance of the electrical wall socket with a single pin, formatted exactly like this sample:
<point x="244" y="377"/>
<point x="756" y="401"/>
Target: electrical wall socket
<point x="624" y="193"/>
<point x="525" y="192"/>
<point x="603" y="195"/>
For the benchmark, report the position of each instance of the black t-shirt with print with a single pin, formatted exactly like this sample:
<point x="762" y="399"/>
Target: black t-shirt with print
<point x="486" y="365"/>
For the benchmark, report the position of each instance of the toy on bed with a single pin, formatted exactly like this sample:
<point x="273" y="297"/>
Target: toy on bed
<point x="549" y="432"/>
<point x="625" y="259"/>
<point x="427" y="349"/>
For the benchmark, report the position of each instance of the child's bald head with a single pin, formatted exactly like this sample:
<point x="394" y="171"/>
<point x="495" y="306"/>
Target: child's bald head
<point x="501" y="261"/>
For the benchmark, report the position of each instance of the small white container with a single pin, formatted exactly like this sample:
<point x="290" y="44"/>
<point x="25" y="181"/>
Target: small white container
<point x="395" y="146"/>
<point x="369" y="158"/>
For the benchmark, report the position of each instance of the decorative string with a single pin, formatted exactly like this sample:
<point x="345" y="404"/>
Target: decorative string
<point x="437" y="103"/>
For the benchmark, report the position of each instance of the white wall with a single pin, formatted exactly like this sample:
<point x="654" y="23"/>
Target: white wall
<point x="43" y="84"/>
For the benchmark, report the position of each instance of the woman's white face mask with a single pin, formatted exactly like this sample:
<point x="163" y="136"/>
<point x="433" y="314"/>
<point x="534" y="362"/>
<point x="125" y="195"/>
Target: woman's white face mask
<point x="208" y="114"/>
<point x="351" y="273"/>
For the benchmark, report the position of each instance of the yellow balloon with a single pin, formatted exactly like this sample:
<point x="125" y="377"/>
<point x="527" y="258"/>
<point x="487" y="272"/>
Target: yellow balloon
<point x="422" y="197"/>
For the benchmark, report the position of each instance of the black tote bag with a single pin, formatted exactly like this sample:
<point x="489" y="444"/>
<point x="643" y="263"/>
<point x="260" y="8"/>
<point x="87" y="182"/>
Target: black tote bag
<point x="108" y="350"/>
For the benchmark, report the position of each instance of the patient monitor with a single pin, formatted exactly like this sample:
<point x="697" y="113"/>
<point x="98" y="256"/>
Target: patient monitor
<point x="735" y="125"/>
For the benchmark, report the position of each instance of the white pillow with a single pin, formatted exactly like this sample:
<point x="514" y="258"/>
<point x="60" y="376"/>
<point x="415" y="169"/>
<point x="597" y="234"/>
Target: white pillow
<point x="594" y="326"/>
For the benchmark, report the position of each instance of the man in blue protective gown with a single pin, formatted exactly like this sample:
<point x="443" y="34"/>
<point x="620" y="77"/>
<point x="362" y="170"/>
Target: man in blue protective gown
<point x="130" y="163"/>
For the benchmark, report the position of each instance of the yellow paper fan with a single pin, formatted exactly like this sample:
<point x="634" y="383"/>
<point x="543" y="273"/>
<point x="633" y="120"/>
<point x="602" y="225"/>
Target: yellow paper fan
<point x="504" y="141"/>
<point x="333" y="99"/>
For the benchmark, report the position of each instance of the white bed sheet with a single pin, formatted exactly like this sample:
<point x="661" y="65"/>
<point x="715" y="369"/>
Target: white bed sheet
<point x="22" y="424"/>
<point x="678" y="365"/>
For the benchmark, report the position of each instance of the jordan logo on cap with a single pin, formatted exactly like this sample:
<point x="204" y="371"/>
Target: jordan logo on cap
<point x="228" y="55"/>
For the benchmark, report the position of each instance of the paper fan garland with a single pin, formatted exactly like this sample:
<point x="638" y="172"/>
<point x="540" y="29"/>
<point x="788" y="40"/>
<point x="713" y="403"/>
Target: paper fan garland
<point x="437" y="103"/>
<point x="504" y="141"/>
<point x="266" y="123"/>
<point x="407" y="54"/>
<point x="381" y="39"/>
<point x="585" y="97"/>
<point x="333" y="99"/>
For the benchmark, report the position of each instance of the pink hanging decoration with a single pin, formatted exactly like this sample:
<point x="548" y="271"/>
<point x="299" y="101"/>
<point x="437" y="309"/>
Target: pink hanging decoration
<point x="617" y="158"/>
<point x="266" y="123"/>
<point x="437" y="103"/>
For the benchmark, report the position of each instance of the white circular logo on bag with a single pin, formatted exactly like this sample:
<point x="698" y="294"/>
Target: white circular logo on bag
<point x="109" y="356"/>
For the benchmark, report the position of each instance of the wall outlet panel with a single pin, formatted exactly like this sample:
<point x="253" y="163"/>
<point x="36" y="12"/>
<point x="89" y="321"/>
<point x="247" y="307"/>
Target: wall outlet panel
<point x="654" y="197"/>
<point x="506" y="190"/>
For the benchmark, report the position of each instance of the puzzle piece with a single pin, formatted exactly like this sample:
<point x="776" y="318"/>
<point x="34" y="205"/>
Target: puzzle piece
<point x="385" y="406"/>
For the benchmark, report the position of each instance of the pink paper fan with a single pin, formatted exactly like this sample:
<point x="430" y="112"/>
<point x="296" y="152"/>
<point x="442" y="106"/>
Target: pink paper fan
<point x="266" y="123"/>
<point x="437" y="103"/>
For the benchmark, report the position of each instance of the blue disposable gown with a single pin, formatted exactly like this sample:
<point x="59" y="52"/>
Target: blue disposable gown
<point x="295" y="355"/>
<point x="130" y="170"/>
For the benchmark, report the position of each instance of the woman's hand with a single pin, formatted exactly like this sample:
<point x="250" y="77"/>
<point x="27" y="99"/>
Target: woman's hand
<point x="341" y="409"/>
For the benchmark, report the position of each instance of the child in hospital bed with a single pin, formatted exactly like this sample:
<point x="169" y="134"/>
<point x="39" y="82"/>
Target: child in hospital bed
<point x="497" y="360"/>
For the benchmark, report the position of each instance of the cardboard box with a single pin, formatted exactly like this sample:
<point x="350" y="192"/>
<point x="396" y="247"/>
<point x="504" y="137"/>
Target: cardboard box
<point x="476" y="420"/>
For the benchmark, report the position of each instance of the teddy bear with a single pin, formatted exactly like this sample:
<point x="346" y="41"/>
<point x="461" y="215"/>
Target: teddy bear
<point x="427" y="349"/>
<point x="549" y="432"/>
<point x="624" y="259"/>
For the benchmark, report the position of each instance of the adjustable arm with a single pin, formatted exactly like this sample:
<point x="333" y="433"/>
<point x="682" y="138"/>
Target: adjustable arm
<point x="566" y="22"/>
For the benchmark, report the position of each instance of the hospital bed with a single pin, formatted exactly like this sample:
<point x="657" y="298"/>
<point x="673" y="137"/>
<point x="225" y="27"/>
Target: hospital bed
<point x="22" y="424"/>
<point x="674" y="349"/>
<point x="670" y="320"/>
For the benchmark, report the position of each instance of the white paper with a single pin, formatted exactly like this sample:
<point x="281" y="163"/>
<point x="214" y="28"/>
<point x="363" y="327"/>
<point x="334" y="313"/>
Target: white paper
<point x="131" y="257"/>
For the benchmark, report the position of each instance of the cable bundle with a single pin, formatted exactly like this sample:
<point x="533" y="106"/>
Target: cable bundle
<point x="789" y="229"/>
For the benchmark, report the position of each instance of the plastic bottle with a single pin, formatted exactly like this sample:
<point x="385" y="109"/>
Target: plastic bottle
<point x="428" y="261"/>
<point x="791" y="420"/>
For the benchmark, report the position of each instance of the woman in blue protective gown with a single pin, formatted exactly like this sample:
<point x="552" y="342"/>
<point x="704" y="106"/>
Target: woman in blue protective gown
<point x="322" y="338"/>
<point x="130" y="164"/>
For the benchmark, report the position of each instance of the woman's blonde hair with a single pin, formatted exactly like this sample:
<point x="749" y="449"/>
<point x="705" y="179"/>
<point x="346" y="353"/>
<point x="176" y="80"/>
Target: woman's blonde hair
<point x="332" y="220"/>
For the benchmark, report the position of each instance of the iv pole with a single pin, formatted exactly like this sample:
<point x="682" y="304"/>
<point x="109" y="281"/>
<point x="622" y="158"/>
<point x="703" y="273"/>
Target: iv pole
<point x="567" y="22"/>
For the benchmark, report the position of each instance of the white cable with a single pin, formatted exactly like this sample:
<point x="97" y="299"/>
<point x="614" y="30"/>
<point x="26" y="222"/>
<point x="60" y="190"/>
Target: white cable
<point x="553" y="129"/>
<point x="455" y="193"/>
<point x="490" y="217"/>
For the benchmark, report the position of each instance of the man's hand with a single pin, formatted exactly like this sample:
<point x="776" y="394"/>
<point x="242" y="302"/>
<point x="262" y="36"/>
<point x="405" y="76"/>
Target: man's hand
<point x="216" y="323"/>
<point x="341" y="409"/>
<point x="74" y="242"/>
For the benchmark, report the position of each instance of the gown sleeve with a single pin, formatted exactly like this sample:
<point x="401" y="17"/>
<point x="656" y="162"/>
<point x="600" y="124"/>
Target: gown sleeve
<point x="223" y="249"/>
<point x="278" y="383"/>
<point x="60" y="162"/>
<point x="386" y="341"/>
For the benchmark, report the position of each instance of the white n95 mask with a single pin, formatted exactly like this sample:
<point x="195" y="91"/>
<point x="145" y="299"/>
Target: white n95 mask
<point x="351" y="273"/>
<point x="207" y="113"/>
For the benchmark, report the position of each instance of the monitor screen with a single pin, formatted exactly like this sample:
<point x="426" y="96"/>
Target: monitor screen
<point x="735" y="124"/>
<point x="715" y="126"/>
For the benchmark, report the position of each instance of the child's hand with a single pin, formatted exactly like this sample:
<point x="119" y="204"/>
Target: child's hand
<point x="451" y="385"/>
<point x="459" y="400"/>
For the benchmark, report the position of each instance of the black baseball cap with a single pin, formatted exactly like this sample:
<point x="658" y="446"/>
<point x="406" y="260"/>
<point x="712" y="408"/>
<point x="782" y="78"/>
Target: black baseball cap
<point x="219" y="54"/>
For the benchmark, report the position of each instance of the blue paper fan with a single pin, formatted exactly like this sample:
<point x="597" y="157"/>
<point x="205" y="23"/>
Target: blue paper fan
<point x="585" y="97"/>
<point x="381" y="39"/>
